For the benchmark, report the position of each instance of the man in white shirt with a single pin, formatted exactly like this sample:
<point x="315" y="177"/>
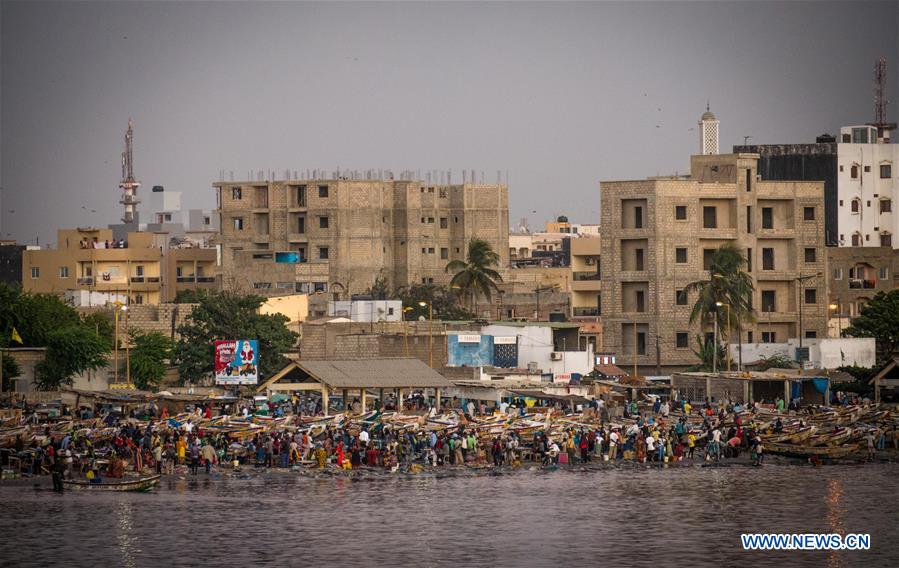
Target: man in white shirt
<point x="363" y="438"/>
<point x="613" y="445"/>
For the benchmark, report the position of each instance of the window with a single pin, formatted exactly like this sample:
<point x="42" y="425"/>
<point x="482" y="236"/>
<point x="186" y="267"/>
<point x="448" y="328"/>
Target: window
<point x="748" y="260"/>
<point x="206" y="220"/>
<point x="323" y="191"/>
<point x="422" y="219"/>
<point x="430" y="220"/>
<point x="443" y="223"/>
<point x="867" y="169"/>
<point x="886" y="240"/>
<point x="323" y="253"/>
<point x="749" y="218"/>
<point x="138" y="299"/>
<point x="443" y="192"/>
<point x="680" y="297"/>
<point x="884" y="272"/>
<point x="856" y="239"/>
<point x="444" y="253"/>
<point x="769" y="337"/>
<point x="641" y="343"/>
<point x="680" y="255"/>
<point x="423" y="249"/>
<point x="709" y="217"/>
<point x="767" y="259"/>
<point x="236" y="193"/>
<point x="767" y="218"/>
<point x="680" y="212"/>
<point x="430" y="250"/>
<point x="886" y="206"/>
<point x="63" y="271"/>
<point x="811" y="296"/>
<point x="810" y="254"/>
<point x="455" y="219"/>
<point x="262" y="285"/>
<point x="638" y="217"/>
<point x="749" y="337"/>
<point x="811" y="334"/>
<point x="238" y="223"/>
<point x="301" y="196"/>
<point x="707" y="256"/>
<point x="167" y="217"/>
<point x="682" y="340"/>
<point x="886" y="171"/>
<point x="837" y="273"/>
<point x="301" y="225"/>
<point x="853" y="171"/>
<point x="808" y="213"/>
<point x="322" y="222"/>
<point x="319" y="286"/>
<point x="139" y="270"/>
<point x="859" y="135"/>
<point x="641" y="301"/>
<point x="638" y="260"/>
<point x="769" y="301"/>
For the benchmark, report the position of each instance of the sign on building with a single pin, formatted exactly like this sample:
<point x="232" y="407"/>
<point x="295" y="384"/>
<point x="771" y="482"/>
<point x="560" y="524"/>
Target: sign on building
<point x="237" y="362"/>
<point x="468" y="338"/>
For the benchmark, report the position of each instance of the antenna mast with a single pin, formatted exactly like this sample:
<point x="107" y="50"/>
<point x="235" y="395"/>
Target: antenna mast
<point x="880" y="99"/>
<point x="129" y="185"/>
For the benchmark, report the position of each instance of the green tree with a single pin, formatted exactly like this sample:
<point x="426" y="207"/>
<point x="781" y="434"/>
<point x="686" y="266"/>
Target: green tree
<point x="728" y="284"/>
<point x="705" y="352"/>
<point x="225" y="315"/>
<point x="71" y="350"/>
<point x="102" y="323"/>
<point x="445" y="304"/>
<point x="380" y="289"/>
<point x="11" y="370"/>
<point x="879" y="319"/>
<point x="191" y="296"/>
<point x="149" y="353"/>
<point x="475" y="276"/>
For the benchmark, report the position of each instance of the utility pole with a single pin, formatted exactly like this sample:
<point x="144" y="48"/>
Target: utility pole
<point x="801" y="280"/>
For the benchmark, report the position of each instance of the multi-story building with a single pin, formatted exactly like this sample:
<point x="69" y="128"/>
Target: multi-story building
<point x="586" y="291"/>
<point x="340" y="235"/>
<point x="143" y="269"/>
<point x="659" y="235"/>
<point x="11" y="262"/>
<point x="854" y="276"/>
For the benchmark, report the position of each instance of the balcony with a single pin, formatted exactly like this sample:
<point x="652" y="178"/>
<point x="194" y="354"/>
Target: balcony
<point x="137" y="279"/>
<point x="87" y="281"/>
<point x="183" y="279"/>
<point x="205" y="279"/>
<point x="585" y="312"/>
<point x="858" y="283"/>
<point x="586" y="276"/>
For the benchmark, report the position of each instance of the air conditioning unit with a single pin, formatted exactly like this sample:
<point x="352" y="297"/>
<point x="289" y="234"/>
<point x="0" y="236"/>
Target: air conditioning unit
<point x="555" y="356"/>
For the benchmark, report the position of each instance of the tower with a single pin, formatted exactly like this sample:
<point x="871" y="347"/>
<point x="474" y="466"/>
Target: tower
<point x="129" y="185"/>
<point x="708" y="133"/>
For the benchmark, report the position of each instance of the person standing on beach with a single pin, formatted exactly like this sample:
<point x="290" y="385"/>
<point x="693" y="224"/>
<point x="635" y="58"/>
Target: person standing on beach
<point x="208" y="456"/>
<point x="869" y="440"/>
<point x="194" y="457"/>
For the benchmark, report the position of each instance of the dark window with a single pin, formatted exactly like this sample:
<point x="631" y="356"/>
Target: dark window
<point x="238" y="223"/>
<point x="769" y="301"/>
<point x="769" y="337"/>
<point x="748" y="260"/>
<point x="748" y="180"/>
<point x="638" y="217"/>
<point x="748" y="218"/>
<point x="749" y="337"/>
<point x="767" y="218"/>
<point x="810" y="254"/>
<point x="867" y="168"/>
<point x="639" y="259"/>
<point x="886" y="240"/>
<point x="709" y="217"/>
<point x="808" y="213"/>
<point x="323" y="191"/>
<point x="886" y="171"/>
<point x="301" y="225"/>
<point x="641" y="343"/>
<point x="707" y="256"/>
<point x="322" y="222"/>
<point x="856" y="240"/>
<point x="682" y="340"/>
<point x="236" y="193"/>
<point x="767" y="259"/>
<point x="680" y="255"/>
<point x="680" y="297"/>
<point x="443" y="223"/>
<point x="886" y="206"/>
<point x="853" y="172"/>
<point x="811" y="334"/>
<point x="444" y="253"/>
<point x="854" y="206"/>
<point x="811" y="296"/>
<point x="641" y="301"/>
<point x="680" y="212"/>
<point x="323" y="253"/>
<point x="301" y="196"/>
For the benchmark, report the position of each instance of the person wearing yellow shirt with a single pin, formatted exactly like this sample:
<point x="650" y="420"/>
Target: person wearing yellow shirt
<point x="181" y="448"/>
<point x="691" y="444"/>
<point x="687" y="408"/>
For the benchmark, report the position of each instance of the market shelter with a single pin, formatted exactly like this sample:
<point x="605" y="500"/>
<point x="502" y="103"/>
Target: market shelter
<point x="357" y="376"/>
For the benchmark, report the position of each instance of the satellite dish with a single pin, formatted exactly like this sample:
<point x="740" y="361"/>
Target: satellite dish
<point x="421" y="318"/>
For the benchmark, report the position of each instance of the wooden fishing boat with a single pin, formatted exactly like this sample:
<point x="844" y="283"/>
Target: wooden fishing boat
<point x="142" y="484"/>
<point x="835" y="438"/>
<point x="805" y="451"/>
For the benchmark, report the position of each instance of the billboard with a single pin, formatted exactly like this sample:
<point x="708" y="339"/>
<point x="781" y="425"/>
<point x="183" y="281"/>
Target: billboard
<point x="236" y="362"/>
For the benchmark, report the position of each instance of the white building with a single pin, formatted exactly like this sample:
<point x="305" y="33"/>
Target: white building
<point x="866" y="187"/>
<point x="367" y="310"/>
<point x="822" y="353"/>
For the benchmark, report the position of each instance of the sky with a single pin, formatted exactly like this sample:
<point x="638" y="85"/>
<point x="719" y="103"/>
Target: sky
<point x="559" y="95"/>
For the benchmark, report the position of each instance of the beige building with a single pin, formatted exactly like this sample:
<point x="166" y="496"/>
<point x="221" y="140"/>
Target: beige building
<point x="854" y="276"/>
<point x="339" y="236"/>
<point x="659" y="235"/>
<point x="586" y="288"/>
<point x="88" y="262"/>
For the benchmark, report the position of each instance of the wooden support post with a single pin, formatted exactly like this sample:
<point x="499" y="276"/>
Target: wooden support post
<point x="876" y="391"/>
<point x="399" y="400"/>
<point x="362" y="396"/>
<point x="745" y="392"/>
<point x="437" y="399"/>
<point x="786" y="392"/>
<point x="708" y="389"/>
<point x="346" y="402"/>
<point x="381" y="399"/>
<point x="325" y="404"/>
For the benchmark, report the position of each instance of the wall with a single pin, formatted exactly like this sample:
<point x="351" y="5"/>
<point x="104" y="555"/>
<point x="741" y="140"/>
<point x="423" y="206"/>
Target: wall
<point x="294" y="306"/>
<point x="823" y="353"/>
<point x="28" y="357"/>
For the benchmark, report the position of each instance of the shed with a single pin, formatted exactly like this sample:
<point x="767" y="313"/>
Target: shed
<point x="887" y="378"/>
<point x="358" y="375"/>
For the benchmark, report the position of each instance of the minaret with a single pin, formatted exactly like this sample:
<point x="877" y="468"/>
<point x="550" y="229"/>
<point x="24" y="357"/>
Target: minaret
<point x="129" y="185"/>
<point x="708" y="133"/>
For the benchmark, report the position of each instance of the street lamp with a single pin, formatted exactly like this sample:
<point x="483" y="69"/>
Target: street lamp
<point x="834" y="308"/>
<point x="430" y="331"/>
<point x="406" y="329"/>
<point x="726" y="349"/>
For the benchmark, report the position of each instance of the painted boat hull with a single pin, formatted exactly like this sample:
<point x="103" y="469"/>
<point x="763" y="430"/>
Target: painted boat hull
<point x="142" y="484"/>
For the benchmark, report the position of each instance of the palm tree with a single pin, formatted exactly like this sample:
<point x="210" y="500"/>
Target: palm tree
<point x="474" y="275"/>
<point x="728" y="284"/>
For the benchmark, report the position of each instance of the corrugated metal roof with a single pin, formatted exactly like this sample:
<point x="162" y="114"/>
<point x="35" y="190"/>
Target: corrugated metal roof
<point x="374" y="373"/>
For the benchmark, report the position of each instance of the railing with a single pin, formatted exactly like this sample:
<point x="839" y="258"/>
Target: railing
<point x="586" y="311"/>
<point x="137" y="279"/>
<point x="88" y="281"/>
<point x="153" y="279"/>
<point x="186" y="279"/>
<point x="859" y="283"/>
<point x="205" y="278"/>
<point x="586" y="276"/>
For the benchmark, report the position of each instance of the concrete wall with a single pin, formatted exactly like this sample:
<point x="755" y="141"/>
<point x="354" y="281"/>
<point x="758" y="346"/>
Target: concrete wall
<point x="823" y="353"/>
<point x="28" y="357"/>
<point x="294" y="306"/>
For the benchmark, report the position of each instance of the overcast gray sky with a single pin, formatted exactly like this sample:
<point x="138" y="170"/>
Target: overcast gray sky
<point x="560" y="95"/>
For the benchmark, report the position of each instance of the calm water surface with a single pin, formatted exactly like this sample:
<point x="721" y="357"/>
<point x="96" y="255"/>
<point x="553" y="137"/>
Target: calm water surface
<point x="689" y="516"/>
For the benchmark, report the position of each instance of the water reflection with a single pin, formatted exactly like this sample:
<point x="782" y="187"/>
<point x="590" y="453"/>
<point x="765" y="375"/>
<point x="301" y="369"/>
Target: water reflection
<point x="835" y="513"/>
<point x="127" y="540"/>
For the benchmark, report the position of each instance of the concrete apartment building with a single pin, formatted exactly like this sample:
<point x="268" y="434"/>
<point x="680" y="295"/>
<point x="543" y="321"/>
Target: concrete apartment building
<point x="659" y="235"/>
<point x="338" y="236"/>
<point x="144" y="269"/>
<point x="586" y="287"/>
<point x="854" y="276"/>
